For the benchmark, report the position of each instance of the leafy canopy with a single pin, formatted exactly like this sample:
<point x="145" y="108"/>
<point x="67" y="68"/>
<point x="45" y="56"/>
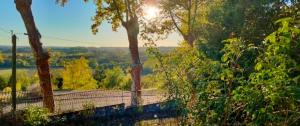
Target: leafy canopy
<point x="78" y="75"/>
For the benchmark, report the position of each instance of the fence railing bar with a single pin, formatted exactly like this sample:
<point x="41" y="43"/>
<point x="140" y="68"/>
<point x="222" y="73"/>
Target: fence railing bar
<point x="76" y="100"/>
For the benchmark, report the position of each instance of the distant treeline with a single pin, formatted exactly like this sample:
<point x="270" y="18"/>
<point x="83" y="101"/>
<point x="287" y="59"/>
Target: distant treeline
<point x="105" y="56"/>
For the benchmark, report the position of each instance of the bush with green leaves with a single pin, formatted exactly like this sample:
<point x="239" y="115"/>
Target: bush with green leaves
<point x="272" y="93"/>
<point x="249" y="85"/>
<point x="116" y="78"/>
<point x="3" y="83"/>
<point x="88" y="109"/>
<point x="178" y="69"/>
<point x="35" y="116"/>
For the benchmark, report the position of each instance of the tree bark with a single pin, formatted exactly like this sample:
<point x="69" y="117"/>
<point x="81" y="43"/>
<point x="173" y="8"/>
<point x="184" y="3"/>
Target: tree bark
<point x="190" y="39"/>
<point x="24" y="8"/>
<point x="132" y="28"/>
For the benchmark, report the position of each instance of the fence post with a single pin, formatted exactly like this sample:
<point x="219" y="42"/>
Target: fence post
<point x="13" y="75"/>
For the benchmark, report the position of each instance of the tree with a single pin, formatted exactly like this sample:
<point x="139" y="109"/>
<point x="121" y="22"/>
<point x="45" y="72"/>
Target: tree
<point x="1" y="57"/>
<point x="77" y="75"/>
<point x="41" y="56"/>
<point x="185" y="17"/>
<point x="115" y="78"/>
<point x="182" y="16"/>
<point x="122" y="13"/>
<point x="99" y="74"/>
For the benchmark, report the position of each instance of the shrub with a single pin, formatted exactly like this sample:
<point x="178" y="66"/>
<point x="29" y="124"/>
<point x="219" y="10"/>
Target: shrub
<point x="7" y="89"/>
<point x="35" y="116"/>
<point x="3" y="83"/>
<point x="59" y="83"/>
<point x="57" y="79"/>
<point x="89" y="108"/>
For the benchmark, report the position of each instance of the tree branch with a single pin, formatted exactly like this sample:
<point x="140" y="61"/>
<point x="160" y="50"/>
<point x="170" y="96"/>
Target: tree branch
<point x="118" y="12"/>
<point x="127" y="9"/>
<point x="174" y="22"/>
<point x="189" y="7"/>
<point x="184" y="21"/>
<point x="195" y="13"/>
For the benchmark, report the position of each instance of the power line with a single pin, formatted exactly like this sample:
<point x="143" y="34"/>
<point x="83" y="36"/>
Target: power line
<point x="60" y="38"/>
<point x="50" y="37"/>
<point x="69" y="40"/>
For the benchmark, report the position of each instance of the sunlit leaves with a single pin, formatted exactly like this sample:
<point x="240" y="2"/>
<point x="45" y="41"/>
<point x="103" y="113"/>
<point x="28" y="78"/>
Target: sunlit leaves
<point x="282" y="39"/>
<point x="115" y="12"/>
<point x="273" y="77"/>
<point x="233" y="49"/>
<point x="111" y="11"/>
<point x="78" y="75"/>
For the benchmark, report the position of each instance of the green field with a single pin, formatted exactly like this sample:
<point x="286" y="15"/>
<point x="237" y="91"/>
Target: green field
<point x="7" y="72"/>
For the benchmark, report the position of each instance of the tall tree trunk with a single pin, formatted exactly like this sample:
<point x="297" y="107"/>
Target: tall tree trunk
<point x="132" y="28"/>
<point x="190" y="39"/>
<point x="24" y="8"/>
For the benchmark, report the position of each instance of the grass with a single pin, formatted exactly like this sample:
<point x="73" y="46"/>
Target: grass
<point x="5" y="72"/>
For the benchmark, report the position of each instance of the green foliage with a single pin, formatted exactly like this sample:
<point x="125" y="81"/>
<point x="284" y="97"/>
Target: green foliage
<point x="110" y="10"/>
<point x="106" y="57"/>
<point x="3" y="83"/>
<point x="7" y="89"/>
<point x="248" y="85"/>
<point x="116" y="12"/>
<point x="59" y="82"/>
<point x="177" y="71"/>
<point x="25" y="79"/>
<point x="88" y="109"/>
<point x="57" y="79"/>
<point x="99" y="74"/>
<point x="153" y="81"/>
<point x="78" y="75"/>
<point x="250" y="78"/>
<point x="35" y="116"/>
<point x="183" y="16"/>
<point x="272" y="87"/>
<point x="116" y="78"/>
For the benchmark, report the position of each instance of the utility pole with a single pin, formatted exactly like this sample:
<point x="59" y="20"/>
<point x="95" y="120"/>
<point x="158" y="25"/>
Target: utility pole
<point x="13" y="74"/>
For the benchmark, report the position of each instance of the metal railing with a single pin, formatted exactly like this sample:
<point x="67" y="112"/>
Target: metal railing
<point x="76" y="100"/>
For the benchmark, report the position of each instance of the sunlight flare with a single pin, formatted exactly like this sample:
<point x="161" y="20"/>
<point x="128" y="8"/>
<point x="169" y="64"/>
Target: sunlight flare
<point x="150" y="12"/>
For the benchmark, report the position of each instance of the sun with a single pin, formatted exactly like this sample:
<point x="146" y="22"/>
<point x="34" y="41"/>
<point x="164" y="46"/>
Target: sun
<point x="150" y="12"/>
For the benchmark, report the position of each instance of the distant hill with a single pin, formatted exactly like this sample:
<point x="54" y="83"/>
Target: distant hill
<point x="27" y="49"/>
<point x="106" y="56"/>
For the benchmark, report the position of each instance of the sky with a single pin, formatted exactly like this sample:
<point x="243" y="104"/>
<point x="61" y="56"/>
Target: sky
<point x="72" y="22"/>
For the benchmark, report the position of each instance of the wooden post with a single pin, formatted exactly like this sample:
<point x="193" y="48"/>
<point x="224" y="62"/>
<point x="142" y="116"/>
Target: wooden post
<point x="13" y="75"/>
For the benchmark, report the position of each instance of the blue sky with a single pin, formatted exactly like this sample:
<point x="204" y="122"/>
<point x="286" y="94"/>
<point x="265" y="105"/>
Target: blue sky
<point x="70" y="22"/>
